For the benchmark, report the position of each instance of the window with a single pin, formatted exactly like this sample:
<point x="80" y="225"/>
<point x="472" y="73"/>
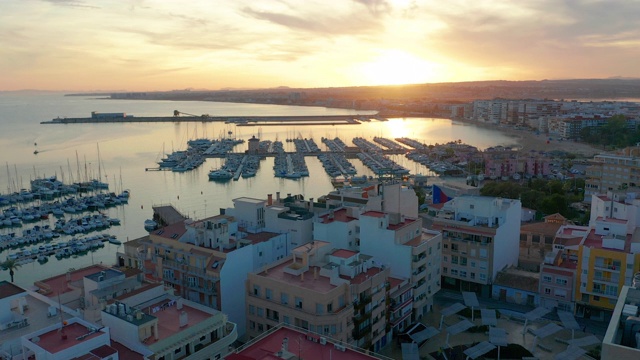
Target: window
<point x="472" y="275"/>
<point x="252" y="325"/>
<point x="438" y="246"/>
<point x="267" y="294"/>
<point x="192" y="281"/>
<point x="444" y="270"/>
<point x="445" y="258"/>
<point x="286" y="320"/>
<point x="177" y="351"/>
<point x="547" y="291"/>
<point x="454" y="272"/>
<point x="473" y="264"/>
<point x="256" y="290"/>
<point x="463" y="261"/>
<point x="298" y="302"/>
<point x="252" y="310"/>
<point x="463" y="273"/>
<point x="284" y="298"/>
<point x="260" y="312"/>
<point x="446" y="246"/>
<point x="454" y="259"/>
<point x="546" y="278"/>
<point x="319" y="308"/>
<point x="483" y="276"/>
<point x="483" y="253"/>
<point x="329" y="307"/>
<point x="454" y="247"/>
<point x="561" y="281"/>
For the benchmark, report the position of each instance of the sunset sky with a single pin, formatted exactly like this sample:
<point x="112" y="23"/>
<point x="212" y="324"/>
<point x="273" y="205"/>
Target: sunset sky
<point x="140" y="45"/>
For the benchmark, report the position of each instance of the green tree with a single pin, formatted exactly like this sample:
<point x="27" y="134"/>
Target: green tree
<point x="11" y="265"/>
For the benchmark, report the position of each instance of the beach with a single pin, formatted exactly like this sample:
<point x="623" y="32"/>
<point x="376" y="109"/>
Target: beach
<point x="528" y="140"/>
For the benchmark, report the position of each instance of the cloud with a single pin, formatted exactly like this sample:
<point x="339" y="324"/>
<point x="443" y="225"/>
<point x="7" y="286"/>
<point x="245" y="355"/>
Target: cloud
<point x="72" y="3"/>
<point x="351" y="22"/>
<point x="376" y="7"/>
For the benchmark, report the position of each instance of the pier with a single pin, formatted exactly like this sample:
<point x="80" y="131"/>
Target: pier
<point x="238" y="120"/>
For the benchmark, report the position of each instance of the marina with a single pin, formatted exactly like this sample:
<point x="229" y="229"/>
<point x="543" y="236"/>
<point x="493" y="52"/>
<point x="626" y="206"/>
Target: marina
<point x="127" y="149"/>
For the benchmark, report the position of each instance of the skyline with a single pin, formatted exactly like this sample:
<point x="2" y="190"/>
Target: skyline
<point x="154" y="45"/>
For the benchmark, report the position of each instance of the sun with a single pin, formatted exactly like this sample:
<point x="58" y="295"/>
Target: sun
<point x="396" y="67"/>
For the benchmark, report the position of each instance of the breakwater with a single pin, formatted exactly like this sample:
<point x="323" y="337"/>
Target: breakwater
<point x="239" y="120"/>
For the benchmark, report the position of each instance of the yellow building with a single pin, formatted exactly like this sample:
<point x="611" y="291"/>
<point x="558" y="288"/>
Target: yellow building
<point x="606" y="262"/>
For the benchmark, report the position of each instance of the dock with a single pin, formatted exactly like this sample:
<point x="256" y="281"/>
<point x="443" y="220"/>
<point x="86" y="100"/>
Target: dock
<point x="238" y="120"/>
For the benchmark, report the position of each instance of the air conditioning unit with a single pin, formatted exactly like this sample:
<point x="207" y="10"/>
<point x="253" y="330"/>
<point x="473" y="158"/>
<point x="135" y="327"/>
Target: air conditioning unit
<point x="340" y="347"/>
<point x="323" y="340"/>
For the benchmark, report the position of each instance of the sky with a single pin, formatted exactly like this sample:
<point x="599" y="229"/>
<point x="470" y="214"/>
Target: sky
<point x="140" y="45"/>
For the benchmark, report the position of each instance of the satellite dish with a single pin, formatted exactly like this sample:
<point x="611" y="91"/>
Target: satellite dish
<point x="35" y="339"/>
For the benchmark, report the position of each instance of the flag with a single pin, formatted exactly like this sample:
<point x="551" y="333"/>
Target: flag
<point x="439" y="197"/>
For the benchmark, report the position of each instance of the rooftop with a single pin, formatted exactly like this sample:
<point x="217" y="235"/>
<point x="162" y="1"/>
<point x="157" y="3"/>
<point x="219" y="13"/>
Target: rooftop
<point x="344" y="253"/>
<point x="249" y="200"/>
<point x="173" y="231"/>
<point x="106" y="274"/>
<point x="300" y="345"/>
<point x="518" y="279"/>
<point x="338" y="215"/>
<point x="168" y="214"/>
<point x="8" y="289"/>
<point x="169" y="318"/>
<point x="76" y="333"/>
<point x="59" y="284"/>
<point x="306" y="280"/>
<point x="260" y="237"/>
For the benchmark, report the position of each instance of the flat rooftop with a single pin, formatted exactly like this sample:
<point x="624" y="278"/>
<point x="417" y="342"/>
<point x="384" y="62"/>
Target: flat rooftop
<point x="53" y="341"/>
<point x="338" y="215"/>
<point x="8" y="289"/>
<point x="169" y="318"/>
<point x="168" y="214"/>
<point x="250" y="200"/>
<point x="319" y="284"/>
<point x="59" y="284"/>
<point x="299" y="345"/>
<point x="260" y="237"/>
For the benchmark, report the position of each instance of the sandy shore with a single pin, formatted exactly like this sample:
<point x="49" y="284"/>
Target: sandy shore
<point x="528" y="140"/>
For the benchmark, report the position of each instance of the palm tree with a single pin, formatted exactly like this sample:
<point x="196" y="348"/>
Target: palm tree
<point x="11" y="265"/>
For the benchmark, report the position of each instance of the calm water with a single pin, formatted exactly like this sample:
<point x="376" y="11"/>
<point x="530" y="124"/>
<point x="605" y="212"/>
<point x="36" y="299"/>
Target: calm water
<point x="72" y="151"/>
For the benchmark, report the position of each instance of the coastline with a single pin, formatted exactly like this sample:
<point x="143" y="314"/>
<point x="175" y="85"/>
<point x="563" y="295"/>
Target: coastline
<point x="528" y="140"/>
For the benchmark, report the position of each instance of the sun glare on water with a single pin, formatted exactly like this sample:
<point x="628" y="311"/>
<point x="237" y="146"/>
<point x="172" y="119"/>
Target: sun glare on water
<point x="395" y="67"/>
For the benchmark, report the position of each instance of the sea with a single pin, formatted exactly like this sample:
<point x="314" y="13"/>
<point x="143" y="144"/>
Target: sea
<point x="119" y="154"/>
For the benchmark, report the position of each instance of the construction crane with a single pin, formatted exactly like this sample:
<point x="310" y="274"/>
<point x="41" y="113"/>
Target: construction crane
<point x="178" y="113"/>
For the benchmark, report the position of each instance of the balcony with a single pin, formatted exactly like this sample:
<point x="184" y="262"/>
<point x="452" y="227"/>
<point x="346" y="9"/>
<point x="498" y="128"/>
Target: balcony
<point x="607" y="267"/>
<point x="361" y="333"/>
<point x="602" y="279"/>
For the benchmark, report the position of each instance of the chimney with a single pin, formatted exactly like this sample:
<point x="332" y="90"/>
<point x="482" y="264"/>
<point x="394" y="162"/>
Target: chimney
<point x="184" y="319"/>
<point x="310" y="204"/>
<point x="278" y="196"/>
<point x="269" y="199"/>
<point x="302" y="276"/>
<point x="285" y="344"/>
<point x="315" y="273"/>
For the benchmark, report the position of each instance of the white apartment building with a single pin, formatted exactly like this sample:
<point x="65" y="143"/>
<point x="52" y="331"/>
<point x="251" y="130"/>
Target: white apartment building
<point x="480" y="237"/>
<point x="410" y="250"/>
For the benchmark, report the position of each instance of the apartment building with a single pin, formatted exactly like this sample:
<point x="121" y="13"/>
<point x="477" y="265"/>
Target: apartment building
<point x="160" y="325"/>
<point x="411" y="251"/>
<point x="480" y="237"/>
<point x="621" y="339"/>
<point x="557" y="281"/>
<point x="340" y="294"/>
<point x="205" y="260"/>
<point x="610" y="172"/>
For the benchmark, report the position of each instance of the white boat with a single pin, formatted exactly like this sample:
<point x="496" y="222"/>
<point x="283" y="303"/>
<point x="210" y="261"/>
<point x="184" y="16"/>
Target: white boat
<point x="113" y="240"/>
<point x="220" y="174"/>
<point x="150" y="225"/>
